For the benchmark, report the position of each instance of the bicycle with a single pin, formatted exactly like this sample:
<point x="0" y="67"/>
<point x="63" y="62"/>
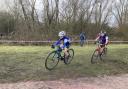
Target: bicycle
<point x="98" y="55"/>
<point x="56" y="55"/>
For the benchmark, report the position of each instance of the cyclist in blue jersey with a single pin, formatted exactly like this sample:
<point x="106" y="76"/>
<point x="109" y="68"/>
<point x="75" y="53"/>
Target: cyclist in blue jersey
<point x="102" y="40"/>
<point x="82" y="39"/>
<point x="63" y="42"/>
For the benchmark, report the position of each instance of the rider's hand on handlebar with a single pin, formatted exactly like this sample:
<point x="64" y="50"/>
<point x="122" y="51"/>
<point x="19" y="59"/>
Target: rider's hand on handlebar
<point x="52" y="46"/>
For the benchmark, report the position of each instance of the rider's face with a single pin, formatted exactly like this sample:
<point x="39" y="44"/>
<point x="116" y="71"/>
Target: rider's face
<point x="61" y="37"/>
<point x="102" y="34"/>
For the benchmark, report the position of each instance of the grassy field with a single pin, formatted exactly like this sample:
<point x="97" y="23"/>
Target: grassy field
<point x="24" y="63"/>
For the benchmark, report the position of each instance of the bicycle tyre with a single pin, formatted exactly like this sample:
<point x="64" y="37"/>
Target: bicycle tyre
<point x="94" y="57"/>
<point x="54" y="58"/>
<point x="71" y="56"/>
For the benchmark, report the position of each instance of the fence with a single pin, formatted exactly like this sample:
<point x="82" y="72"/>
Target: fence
<point x="50" y="42"/>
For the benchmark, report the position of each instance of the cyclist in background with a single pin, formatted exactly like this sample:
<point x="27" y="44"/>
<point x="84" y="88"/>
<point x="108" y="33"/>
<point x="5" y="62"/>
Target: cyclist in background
<point x="82" y="39"/>
<point x="64" y="43"/>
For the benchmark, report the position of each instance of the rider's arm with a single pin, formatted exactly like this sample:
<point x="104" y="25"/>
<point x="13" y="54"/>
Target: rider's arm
<point x="57" y="42"/>
<point x="106" y="40"/>
<point x="97" y="38"/>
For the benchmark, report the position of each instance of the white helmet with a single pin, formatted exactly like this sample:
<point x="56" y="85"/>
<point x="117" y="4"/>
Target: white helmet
<point x="62" y="33"/>
<point x="105" y="32"/>
<point x="102" y="34"/>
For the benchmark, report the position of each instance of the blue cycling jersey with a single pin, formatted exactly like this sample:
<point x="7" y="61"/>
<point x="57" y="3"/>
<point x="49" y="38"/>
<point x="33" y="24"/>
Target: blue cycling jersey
<point x="82" y="36"/>
<point x="65" y="40"/>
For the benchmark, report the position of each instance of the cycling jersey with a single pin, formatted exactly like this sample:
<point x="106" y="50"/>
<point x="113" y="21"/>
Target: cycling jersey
<point x="102" y="39"/>
<point x="82" y="36"/>
<point x="65" y="41"/>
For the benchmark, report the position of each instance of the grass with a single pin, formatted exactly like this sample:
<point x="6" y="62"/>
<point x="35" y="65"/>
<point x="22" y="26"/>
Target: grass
<point x="25" y="63"/>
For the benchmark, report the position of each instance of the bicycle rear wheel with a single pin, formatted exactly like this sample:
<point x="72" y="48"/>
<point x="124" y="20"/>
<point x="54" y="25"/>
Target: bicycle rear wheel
<point x="95" y="56"/>
<point x="52" y="60"/>
<point x="70" y="57"/>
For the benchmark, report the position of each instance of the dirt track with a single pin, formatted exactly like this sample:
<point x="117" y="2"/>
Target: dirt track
<point x="106" y="82"/>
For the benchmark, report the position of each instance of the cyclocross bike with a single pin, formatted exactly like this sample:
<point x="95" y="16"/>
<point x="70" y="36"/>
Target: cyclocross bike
<point x="97" y="55"/>
<point x="55" y="56"/>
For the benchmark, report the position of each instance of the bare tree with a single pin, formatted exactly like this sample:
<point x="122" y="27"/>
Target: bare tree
<point x="102" y="11"/>
<point x="73" y="16"/>
<point x="85" y="14"/>
<point x="57" y="11"/>
<point x="121" y="11"/>
<point x="23" y="9"/>
<point x="32" y="4"/>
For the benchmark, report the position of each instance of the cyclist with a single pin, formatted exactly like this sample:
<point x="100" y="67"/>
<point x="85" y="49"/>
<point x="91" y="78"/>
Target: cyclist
<point x="63" y="42"/>
<point x="82" y="39"/>
<point x="102" y="39"/>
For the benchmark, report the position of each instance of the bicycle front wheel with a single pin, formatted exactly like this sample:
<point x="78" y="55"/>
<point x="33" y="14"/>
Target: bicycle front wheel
<point x="52" y="60"/>
<point x="70" y="57"/>
<point x="94" y="58"/>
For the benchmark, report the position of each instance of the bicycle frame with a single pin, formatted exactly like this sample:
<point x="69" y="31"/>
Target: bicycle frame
<point x="99" y="48"/>
<point x="58" y="51"/>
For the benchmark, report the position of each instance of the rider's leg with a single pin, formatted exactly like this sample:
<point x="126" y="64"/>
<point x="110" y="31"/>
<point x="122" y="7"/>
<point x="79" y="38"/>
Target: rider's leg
<point x="66" y="52"/>
<point x="101" y="49"/>
<point x="98" y="49"/>
<point x="81" y="43"/>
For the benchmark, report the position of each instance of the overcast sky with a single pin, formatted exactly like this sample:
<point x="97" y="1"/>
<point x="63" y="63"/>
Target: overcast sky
<point x="2" y="5"/>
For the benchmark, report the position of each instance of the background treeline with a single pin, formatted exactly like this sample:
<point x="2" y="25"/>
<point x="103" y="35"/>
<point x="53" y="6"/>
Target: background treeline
<point x="43" y="19"/>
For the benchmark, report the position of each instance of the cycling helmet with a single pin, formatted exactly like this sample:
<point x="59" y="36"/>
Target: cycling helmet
<point x="105" y="32"/>
<point x="62" y="33"/>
